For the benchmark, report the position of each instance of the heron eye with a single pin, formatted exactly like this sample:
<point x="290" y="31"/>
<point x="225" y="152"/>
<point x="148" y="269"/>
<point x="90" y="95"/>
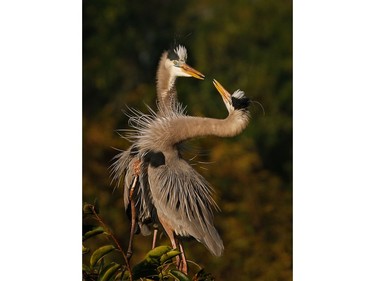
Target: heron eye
<point x="175" y="63"/>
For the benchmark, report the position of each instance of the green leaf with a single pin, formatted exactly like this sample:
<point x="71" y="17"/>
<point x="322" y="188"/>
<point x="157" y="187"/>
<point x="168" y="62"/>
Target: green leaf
<point x="122" y="275"/>
<point x="100" y="253"/>
<point x="178" y="275"/>
<point x="91" y="233"/>
<point x="158" y="251"/>
<point x="85" y="250"/>
<point x="108" y="271"/>
<point x="167" y="256"/>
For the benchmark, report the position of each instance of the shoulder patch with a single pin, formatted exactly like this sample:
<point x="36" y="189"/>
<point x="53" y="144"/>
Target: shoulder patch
<point x="155" y="159"/>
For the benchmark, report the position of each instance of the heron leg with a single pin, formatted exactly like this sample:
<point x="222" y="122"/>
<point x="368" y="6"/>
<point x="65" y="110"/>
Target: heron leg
<point x="154" y="238"/>
<point x="183" y="266"/>
<point x="170" y="233"/>
<point x="129" y="252"/>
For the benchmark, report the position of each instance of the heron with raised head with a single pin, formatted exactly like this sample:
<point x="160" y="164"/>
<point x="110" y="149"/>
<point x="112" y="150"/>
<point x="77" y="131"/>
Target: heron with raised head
<point x="128" y="167"/>
<point x="181" y="197"/>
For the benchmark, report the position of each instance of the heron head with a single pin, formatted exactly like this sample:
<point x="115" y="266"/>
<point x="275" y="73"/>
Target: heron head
<point x="235" y="101"/>
<point x="176" y="63"/>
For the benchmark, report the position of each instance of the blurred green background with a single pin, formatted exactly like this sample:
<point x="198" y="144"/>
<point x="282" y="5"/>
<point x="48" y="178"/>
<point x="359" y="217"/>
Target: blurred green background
<point x="245" y="45"/>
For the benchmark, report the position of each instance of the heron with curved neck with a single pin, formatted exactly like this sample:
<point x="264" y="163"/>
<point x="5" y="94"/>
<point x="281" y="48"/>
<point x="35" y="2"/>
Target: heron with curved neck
<point x="182" y="198"/>
<point x="129" y="167"/>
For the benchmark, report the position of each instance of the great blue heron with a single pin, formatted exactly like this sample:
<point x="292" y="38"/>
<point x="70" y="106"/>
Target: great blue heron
<point x="172" y="65"/>
<point x="181" y="197"/>
<point x="129" y="165"/>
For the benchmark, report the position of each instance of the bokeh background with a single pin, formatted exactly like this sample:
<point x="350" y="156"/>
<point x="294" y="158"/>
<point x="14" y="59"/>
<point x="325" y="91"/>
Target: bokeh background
<point x="244" y="45"/>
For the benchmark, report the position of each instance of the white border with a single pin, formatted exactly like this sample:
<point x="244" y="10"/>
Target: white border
<point x="41" y="139"/>
<point x="334" y="140"/>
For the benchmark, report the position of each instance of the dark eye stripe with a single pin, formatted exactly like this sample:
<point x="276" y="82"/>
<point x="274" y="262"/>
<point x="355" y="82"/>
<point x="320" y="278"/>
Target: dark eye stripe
<point x="240" y="103"/>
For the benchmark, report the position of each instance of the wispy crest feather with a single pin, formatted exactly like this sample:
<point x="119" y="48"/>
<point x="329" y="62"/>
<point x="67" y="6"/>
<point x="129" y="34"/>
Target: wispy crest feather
<point x="239" y="94"/>
<point x="181" y="52"/>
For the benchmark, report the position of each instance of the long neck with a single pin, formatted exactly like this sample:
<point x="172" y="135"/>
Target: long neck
<point x="191" y="127"/>
<point x="165" y="87"/>
<point x="166" y="132"/>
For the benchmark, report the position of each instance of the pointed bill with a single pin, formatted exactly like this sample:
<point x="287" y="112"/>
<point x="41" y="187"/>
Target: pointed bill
<point x="191" y="71"/>
<point x="224" y="93"/>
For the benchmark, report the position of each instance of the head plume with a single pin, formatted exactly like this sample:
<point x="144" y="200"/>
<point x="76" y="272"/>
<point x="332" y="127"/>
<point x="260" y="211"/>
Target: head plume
<point x="239" y="100"/>
<point x="177" y="52"/>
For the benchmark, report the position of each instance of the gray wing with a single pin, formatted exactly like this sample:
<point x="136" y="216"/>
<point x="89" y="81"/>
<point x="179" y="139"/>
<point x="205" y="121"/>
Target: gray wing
<point x="184" y="197"/>
<point x="123" y="172"/>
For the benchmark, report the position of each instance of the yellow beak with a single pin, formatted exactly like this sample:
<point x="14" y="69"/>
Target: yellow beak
<point x="224" y="93"/>
<point x="191" y="71"/>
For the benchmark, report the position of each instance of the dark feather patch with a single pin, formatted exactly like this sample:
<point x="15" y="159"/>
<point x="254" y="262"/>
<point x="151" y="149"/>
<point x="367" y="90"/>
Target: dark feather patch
<point x="146" y="156"/>
<point x="155" y="159"/>
<point x="240" y="103"/>
<point x="172" y="55"/>
<point x="147" y="220"/>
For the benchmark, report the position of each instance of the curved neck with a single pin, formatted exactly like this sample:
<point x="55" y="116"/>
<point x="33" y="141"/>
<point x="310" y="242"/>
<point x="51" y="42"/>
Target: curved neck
<point x="188" y="127"/>
<point x="165" y="86"/>
<point x="166" y="131"/>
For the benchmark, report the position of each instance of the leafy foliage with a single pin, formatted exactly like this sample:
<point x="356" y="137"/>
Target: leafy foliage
<point x="156" y="265"/>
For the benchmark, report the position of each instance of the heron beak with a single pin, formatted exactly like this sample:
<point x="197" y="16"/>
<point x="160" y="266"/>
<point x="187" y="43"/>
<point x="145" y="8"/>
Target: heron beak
<point x="191" y="71"/>
<point x="227" y="97"/>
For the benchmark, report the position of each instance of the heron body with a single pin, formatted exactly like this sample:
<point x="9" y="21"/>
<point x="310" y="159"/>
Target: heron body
<point x="128" y="165"/>
<point x="162" y="188"/>
<point x="181" y="196"/>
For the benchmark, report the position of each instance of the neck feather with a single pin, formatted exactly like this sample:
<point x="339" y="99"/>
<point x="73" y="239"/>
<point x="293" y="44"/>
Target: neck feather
<point x="165" y="86"/>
